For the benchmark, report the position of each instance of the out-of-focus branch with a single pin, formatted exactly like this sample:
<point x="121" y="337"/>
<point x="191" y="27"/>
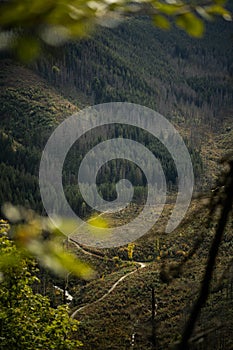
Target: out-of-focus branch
<point x="224" y="201"/>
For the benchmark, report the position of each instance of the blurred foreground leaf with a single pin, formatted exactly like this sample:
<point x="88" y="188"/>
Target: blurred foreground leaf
<point x="98" y="225"/>
<point x="191" y="23"/>
<point x="27" y="26"/>
<point x="35" y="236"/>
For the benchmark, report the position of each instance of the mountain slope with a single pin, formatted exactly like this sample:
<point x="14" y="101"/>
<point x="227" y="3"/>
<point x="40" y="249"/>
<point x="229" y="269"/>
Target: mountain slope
<point x="30" y="110"/>
<point x="136" y="62"/>
<point x="187" y="80"/>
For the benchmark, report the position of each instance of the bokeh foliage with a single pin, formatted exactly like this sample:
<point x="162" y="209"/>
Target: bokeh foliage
<point x="26" y="27"/>
<point x="36" y="237"/>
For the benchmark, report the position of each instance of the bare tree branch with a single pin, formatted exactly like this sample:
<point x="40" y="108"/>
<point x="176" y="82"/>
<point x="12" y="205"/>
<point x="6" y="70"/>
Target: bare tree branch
<point x="225" y="200"/>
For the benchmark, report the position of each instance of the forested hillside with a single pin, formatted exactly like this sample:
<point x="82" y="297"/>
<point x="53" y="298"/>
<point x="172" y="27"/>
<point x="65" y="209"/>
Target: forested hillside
<point x="168" y="71"/>
<point x="186" y="80"/>
<point x="30" y="109"/>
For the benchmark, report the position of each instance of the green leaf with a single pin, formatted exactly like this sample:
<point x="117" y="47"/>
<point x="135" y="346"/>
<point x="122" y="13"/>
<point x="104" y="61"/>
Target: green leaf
<point x="53" y="256"/>
<point x="202" y="11"/>
<point x="218" y="10"/>
<point x="193" y="25"/>
<point x="8" y="260"/>
<point x="161" y="22"/>
<point x="168" y="9"/>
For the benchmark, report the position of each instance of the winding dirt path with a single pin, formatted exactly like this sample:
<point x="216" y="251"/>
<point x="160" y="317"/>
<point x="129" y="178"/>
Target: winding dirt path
<point x="142" y="265"/>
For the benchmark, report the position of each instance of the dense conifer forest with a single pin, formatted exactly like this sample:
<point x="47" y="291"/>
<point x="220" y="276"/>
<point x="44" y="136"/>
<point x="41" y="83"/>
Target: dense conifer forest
<point x="186" y="80"/>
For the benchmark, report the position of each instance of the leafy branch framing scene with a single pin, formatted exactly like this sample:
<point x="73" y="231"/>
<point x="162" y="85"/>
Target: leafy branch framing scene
<point x="163" y="291"/>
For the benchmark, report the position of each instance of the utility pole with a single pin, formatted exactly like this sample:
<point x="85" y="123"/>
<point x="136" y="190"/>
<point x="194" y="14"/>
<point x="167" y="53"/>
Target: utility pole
<point x="154" y="307"/>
